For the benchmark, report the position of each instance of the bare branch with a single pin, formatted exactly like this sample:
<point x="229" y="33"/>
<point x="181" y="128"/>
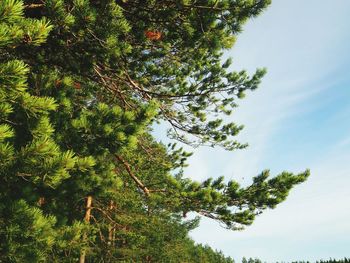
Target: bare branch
<point x="136" y="180"/>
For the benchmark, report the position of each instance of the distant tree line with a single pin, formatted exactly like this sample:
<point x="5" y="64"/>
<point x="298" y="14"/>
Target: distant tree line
<point x="331" y="260"/>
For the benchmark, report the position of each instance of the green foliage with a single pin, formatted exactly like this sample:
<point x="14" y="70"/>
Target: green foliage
<point x="81" y="84"/>
<point x="16" y="30"/>
<point x="256" y="260"/>
<point x="27" y="235"/>
<point x="251" y="260"/>
<point x="344" y="260"/>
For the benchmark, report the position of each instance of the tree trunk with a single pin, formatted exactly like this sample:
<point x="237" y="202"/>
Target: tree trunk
<point x="111" y="228"/>
<point x="87" y="219"/>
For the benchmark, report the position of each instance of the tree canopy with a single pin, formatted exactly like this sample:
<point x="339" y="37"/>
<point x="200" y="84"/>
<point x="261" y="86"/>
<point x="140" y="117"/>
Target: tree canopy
<point x="81" y="84"/>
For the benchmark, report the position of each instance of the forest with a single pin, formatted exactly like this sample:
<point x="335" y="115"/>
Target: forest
<point x="82" y="85"/>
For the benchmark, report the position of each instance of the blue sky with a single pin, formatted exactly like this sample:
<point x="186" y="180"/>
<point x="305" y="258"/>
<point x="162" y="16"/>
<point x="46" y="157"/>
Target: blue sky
<point x="299" y="118"/>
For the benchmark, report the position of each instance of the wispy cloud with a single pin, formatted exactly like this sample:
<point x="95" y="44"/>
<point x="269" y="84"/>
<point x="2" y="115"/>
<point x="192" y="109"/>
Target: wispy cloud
<point x="315" y="214"/>
<point x="294" y="121"/>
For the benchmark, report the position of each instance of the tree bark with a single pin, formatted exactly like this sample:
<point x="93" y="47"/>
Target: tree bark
<point x="87" y="219"/>
<point x="111" y="228"/>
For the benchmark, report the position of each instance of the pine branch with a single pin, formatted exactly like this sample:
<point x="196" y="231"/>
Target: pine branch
<point x="131" y="174"/>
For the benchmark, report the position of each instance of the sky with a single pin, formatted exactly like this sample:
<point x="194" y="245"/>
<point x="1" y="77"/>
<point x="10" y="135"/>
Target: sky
<point x="297" y="119"/>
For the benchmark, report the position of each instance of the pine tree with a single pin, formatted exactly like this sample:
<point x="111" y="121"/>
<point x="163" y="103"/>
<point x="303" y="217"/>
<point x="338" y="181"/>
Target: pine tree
<point x="81" y="83"/>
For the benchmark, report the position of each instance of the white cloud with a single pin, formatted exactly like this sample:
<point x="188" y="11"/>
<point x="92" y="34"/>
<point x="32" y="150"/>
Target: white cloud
<point x="303" y="44"/>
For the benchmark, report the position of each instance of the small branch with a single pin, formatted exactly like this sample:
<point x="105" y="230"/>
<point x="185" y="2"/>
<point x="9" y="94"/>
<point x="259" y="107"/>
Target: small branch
<point x="136" y="180"/>
<point x="205" y="7"/>
<point x="34" y="6"/>
<point x="24" y="174"/>
<point x="206" y="214"/>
